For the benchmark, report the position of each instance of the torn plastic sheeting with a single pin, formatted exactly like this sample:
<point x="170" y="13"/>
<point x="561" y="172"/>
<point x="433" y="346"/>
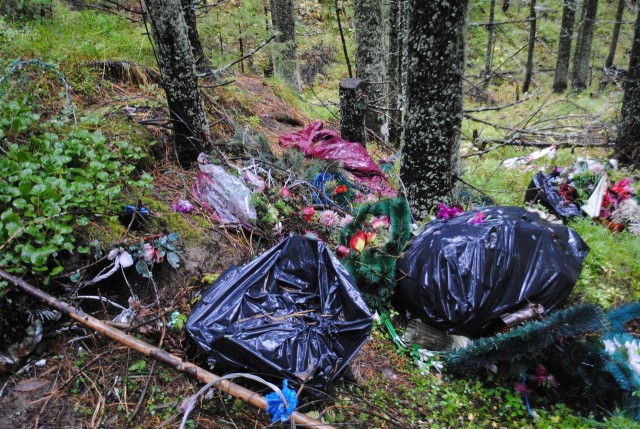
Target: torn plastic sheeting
<point x="462" y="277"/>
<point x="542" y="190"/>
<point x="315" y="141"/>
<point x="227" y="196"/>
<point x="293" y="312"/>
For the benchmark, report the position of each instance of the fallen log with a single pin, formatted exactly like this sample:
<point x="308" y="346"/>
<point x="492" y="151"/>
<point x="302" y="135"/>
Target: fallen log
<point x="172" y="361"/>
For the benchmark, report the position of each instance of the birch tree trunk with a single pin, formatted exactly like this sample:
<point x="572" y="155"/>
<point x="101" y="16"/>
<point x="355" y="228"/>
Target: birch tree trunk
<point x="178" y="68"/>
<point x="370" y="61"/>
<point x="560" y="79"/>
<point x="628" y="141"/>
<point x="286" y="64"/>
<point x="436" y="45"/>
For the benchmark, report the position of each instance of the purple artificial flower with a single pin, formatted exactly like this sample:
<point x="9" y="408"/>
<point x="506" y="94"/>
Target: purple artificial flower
<point x="477" y="218"/>
<point x="445" y="212"/>
<point x="556" y="171"/>
<point x="182" y="206"/>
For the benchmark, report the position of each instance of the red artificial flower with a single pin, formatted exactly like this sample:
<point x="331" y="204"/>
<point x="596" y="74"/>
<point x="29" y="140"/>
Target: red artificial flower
<point x="477" y="218"/>
<point x="358" y="241"/>
<point x="286" y="192"/>
<point x="341" y="189"/>
<point x="567" y="192"/>
<point x="623" y="189"/>
<point x="342" y="251"/>
<point x="307" y="213"/>
<point x="371" y="237"/>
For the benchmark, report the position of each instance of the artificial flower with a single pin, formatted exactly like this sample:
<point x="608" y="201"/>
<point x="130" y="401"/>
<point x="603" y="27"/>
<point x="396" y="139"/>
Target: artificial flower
<point x="182" y="206"/>
<point x="342" y="251"/>
<point x="358" y="241"/>
<point x="286" y="192"/>
<point x="477" y="218"/>
<point x="312" y="235"/>
<point x="371" y="237"/>
<point x="151" y="254"/>
<point x="556" y="171"/>
<point x="627" y="211"/>
<point x="307" y="213"/>
<point x="521" y="388"/>
<point x="329" y="218"/>
<point x="341" y="189"/>
<point x="445" y="212"/>
<point x="345" y="221"/>
<point x="380" y="222"/>
<point x="623" y="189"/>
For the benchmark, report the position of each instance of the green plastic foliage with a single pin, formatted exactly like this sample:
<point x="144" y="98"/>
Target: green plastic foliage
<point x="374" y="268"/>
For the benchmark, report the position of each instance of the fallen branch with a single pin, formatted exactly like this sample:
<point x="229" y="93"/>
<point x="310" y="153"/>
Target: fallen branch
<point x="172" y="361"/>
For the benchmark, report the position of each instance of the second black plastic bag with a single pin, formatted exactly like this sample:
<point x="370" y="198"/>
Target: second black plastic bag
<point x="462" y="274"/>
<point x="293" y="312"/>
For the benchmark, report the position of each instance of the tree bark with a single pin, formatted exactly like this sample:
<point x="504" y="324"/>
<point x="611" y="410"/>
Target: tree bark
<point x="286" y="63"/>
<point x="532" y="45"/>
<point x="628" y="141"/>
<point x="178" y="68"/>
<point x="352" y="110"/>
<point x="394" y="73"/>
<point x="436" y="44"/>
<point x="560" y="79"/>
<point x="188" y="8"/>
<point x="370" y="63"/>
<point x="616" y="33"/>
<point x="581" y="59"/>
<point x="491" y="40"/>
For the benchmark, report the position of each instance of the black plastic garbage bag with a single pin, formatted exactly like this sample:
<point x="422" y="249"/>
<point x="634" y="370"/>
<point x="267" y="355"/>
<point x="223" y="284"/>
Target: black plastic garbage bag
<point x="542" y="190"/>
<point x="462" y="276"/>
<point x="294" y="312"/>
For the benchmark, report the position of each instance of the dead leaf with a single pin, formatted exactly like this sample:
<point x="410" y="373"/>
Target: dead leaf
<point x="31" y="384"/>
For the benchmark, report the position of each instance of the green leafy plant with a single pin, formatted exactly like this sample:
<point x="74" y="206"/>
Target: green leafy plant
<point x="55" y="182"/>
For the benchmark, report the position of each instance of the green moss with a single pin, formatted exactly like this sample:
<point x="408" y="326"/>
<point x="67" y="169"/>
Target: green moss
<point x="171" y="220"/>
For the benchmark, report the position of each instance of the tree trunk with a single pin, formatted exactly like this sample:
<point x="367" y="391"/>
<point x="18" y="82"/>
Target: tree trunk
<point x="491" y="40"/>
<point x="616" y="33"/>
<point x="628" y="141"/>
<point x="188" y="8"/>
<point x="564" y="46"/>
<point x="532" y="45"/>
<point x="393" y="73"/>
<point x="344" y="43"/>
<point x="352" y="110"/>
<point x="581" y="69"/>
<point x="178" y="69"/>
<point x="436" y="42"/>
<point x="370" y="57"/>
<point x="286" y="64"/>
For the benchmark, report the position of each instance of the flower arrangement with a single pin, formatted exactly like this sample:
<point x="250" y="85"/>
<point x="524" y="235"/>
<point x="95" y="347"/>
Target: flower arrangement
<point x="370" y="245"/>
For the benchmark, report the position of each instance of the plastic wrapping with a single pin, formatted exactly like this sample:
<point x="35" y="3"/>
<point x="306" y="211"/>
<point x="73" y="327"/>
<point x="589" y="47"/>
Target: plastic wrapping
<point x="461" y="276"/>
<point x="293" y="312"/>
<point x="542" y="190"/>
<point x="226" y="195"/>
<point x="315" y="141"/>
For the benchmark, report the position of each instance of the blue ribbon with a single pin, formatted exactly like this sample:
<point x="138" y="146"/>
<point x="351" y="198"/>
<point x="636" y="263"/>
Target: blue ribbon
<point x="276" y="407"/>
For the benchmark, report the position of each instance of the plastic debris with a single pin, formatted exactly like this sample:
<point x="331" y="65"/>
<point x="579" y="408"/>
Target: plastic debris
<point x="227" y="196"/>
<point x="293" y="312"/>
<point x="276" y="407"/>
<point x="317" y="142"/>
<point x="461" y="277"/>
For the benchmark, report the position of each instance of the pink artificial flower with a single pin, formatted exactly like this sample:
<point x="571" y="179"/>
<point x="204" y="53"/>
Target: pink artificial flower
<point x="521" y="388"/>
<point x="380" y="222"/>
<point x="151" y="254"/>
<point x="307" y="213"/>
<point x="342" y="251"/>
<point x="286" y="192"/>
<point x="329" y="218"/>
<point x="623" y="189"/>
<point x="445" y="212"/>
<point x="358" y="241"/>
<point x="477" y="218"/>
<point x="345" y="221"/>
<point x="182" y="206"/>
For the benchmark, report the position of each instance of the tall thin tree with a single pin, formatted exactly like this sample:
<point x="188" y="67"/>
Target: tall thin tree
<point x="532" y="44"/>
<point x="178" y="68"/>
<point x="616" y="33"/>
<point x="491" y="40"/>
<point x="581" y="60"/>
<point x="560" y="78"/>
<point x="370" y="58"/>
<point x="436" y="45"/>
<point x="286" y="64"/>
<point x="628" y="140"/>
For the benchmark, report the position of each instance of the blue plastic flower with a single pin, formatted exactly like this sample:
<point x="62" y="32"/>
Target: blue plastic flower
<point x="275" y="406"/>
